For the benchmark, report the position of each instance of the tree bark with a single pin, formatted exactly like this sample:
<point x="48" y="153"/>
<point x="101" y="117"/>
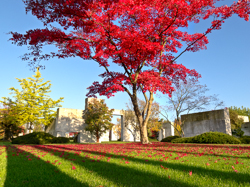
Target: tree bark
<point x="7" y="134"/>
<point x="144" y="135"/>
<point x="97" y="137"/>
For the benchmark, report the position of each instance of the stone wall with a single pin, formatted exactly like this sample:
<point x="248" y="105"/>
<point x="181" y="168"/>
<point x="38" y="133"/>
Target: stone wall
<point x="246" y="128"/>
<point x="167" y="130"/>
<point x="71" y="120"/>
<point x="198" y="123"/>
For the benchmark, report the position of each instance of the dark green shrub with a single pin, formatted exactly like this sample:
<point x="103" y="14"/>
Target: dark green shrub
<point x="61" y="140"/>
<point x="152" y="139"/>
<point x="119" y="139"/>
<point x="238" y="132"/>
<point x="245" y="139"/>
<point x="215" y="138"/>
<point x="169" y="138"/>
<point x="209" y="138"/>
<point x="182" y="140"/>
<point x="39" y="138"/>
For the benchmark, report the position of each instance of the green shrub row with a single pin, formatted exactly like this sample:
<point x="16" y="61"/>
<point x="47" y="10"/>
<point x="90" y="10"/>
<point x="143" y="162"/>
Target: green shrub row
<point x="245" y="139"/>
<point x="169" y="138"/>
<point x="209" y="138"/>
<point x="39" y="138"/>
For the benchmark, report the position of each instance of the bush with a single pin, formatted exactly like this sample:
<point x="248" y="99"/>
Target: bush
<point x="152" y="139"/>
<point x="245" y="139"/>
<point x="209" y="138"/>
<point x="238" y="132"/>
<point x="215" y="138"/>
<point x="182" y="140"/>
<point x="60" y="140"/>
<point x="169" y="138"/>
<point x="39" y="138"/>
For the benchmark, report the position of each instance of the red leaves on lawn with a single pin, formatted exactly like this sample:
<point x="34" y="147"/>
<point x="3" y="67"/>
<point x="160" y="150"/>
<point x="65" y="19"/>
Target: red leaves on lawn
<point x="163" y="167"/>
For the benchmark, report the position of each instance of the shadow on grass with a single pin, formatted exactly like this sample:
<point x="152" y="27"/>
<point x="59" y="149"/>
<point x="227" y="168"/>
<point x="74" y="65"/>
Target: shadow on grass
<point x="4" y="143"/>
<point x="195" y="146"/>
<point x="121" y="175"/>
<point x="240" y="178"/>
<point x="34" y="173"/>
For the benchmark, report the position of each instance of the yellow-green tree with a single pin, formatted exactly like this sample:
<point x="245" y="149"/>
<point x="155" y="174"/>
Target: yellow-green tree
<point x="37" y="107"/>
<point x="98" y="118"/>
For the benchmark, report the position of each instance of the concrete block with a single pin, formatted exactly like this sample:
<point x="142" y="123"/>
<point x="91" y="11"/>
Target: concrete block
<point x="71" y="120"/>
<point x="245" y="118"/>
<point x="198" y="123"/>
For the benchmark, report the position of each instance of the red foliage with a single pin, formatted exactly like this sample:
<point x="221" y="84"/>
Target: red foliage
<point x="133" y="34"/>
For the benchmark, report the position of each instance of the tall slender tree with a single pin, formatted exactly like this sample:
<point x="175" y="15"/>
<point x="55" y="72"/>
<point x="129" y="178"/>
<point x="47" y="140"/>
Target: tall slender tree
<point x="141" y="36"/>
<point x="37" y="107"/>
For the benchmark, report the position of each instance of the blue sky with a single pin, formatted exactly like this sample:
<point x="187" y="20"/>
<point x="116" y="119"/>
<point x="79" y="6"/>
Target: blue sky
<point x="224" y="66"/>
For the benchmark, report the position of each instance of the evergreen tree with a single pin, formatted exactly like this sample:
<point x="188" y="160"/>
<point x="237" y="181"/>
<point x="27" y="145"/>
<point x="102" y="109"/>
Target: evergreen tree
<point x="98" y="117"/>
<point x="37" y="106"/>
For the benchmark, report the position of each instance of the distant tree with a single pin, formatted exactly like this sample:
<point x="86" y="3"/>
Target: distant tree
<point x="234" y="120"/>
<point x="189" y="96"/>
<point x="243" y="111"/>
<point x="237" y="122"/>
<point x="38" y="128"/>
<point x="177" y="127"/>
<point x="117" y="128"/>
<point x="98" y="118"/>
<point x="10" y="119"/>
<point x="153" y="122"/>
<point x="36" y="105"/>
<point x="131" y="123"/>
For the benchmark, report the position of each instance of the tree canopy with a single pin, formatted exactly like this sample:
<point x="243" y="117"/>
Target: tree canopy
<point x="141" y="36"/>
<point x="34" y="101"/>
<point x="98" y="118"/>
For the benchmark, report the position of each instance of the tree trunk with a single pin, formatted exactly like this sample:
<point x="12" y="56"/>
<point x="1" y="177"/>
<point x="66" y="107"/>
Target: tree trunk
<point x="144" y="134"/>
<point x="134" y="136"/>
<point x="30" y="127"/>
<point x="97" y="137"/>
<point x="110" y="131"/>
<point x="7" y="135"/>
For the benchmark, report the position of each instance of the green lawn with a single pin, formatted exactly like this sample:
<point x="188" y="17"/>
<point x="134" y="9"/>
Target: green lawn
<point x="129" y="164"/>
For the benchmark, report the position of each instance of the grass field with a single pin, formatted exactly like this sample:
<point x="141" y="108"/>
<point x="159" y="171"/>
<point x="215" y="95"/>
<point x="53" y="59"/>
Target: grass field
<point x="130" y="164"/>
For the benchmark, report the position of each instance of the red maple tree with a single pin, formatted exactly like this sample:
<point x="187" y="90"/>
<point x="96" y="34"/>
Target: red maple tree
<point x="141" y="36"/>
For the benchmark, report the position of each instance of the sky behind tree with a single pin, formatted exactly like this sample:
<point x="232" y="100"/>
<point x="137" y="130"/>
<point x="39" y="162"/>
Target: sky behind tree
<point x="224" y="66"/>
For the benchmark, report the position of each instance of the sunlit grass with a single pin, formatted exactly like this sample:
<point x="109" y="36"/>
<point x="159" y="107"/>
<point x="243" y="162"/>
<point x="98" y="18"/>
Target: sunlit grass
<point x="130" y="164"/>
